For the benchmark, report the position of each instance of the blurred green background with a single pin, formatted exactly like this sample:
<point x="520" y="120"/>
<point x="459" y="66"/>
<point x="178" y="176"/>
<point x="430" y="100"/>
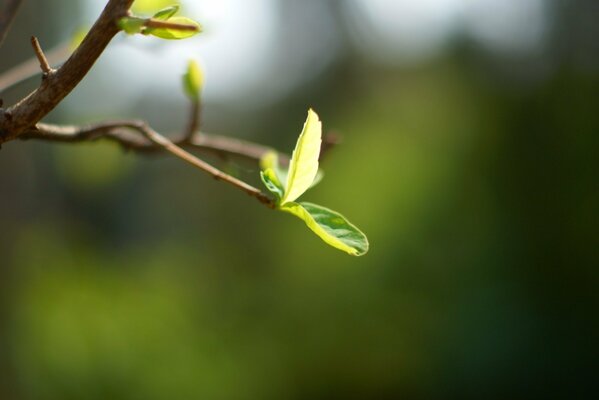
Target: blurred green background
<point x="469" y="157"/>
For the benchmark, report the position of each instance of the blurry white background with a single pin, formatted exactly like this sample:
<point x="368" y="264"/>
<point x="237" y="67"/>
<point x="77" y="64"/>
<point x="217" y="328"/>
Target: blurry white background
<point x="255" y="52"/>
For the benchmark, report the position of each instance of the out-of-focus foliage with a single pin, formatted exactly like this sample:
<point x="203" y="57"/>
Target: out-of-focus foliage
<point x="473" y="174"/>
<point x="151" y="6"/>
<point x="193" y="80"/>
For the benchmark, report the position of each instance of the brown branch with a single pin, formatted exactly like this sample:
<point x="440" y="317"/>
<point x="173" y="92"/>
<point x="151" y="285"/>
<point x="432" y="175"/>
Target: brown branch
<point x="120" y="132"/>
<point x="41" y="57"/>
<point x="116" y="131"/>
<point x="50" y="93"/>
<point x="7" y="15"/>
<point x="194" y="120"/>
<point x="217" y="174"/>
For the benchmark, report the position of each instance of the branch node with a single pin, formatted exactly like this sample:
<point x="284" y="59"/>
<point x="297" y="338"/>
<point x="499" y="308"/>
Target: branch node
<point x="39" y="53"/>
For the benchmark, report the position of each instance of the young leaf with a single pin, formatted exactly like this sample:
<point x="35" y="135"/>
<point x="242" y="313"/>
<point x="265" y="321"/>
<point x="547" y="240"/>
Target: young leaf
<point x="271" y="161"/>
<point x="270" y="180"/>
<point x="303" y="166"/>
<point x="166" y="13"/>
<point x="330" y="226"/>
<point x="193" y="80"/>
<point x="174" y="33"/>
<point x="132" y="25"/>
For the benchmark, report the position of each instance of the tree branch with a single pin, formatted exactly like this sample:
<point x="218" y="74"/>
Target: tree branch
<point x="193" y="125"/>
<point x="60" y="83"/>
<point x="217" y="174"/>
<point x="119" y="132"/>
<point x="7" y="15"/>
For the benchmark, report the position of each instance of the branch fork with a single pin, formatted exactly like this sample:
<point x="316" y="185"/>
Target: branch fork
<point x="21" y="121"/>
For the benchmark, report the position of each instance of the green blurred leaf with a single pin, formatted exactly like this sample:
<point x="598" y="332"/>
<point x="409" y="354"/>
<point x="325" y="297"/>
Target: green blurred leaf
<point x="166" y="13"/>
<point x="193" y="80"/>
<point x="332" y="227"/>
<point x="174" y="33"/>
<point x="303" y="166"/>
<point x="132" y="25"/>
<point x="148" y="6"/>
<point x="79" y="166"/>
<point x="78" y="37"/>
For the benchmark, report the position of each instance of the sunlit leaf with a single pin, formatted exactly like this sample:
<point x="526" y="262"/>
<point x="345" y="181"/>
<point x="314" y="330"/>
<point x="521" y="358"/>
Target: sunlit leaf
<point x="175" y="33"/>
<point x="193" y="80"/>
<point x="271" y="160"/>
<point x="303" y="166"/>
<point x="330" y="226"/>
<point x="166" y="13"/>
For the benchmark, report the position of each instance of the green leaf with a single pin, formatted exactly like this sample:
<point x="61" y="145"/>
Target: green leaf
<point x="303" y="166"/>
<point x="166" y="13"/>
<point x="330" y="226"/>
<point x="193" y="80"/>
<point x="271" y="160"/>
<point x="270" y="180"/>
<point x="132" y="25"/>
<point x="174" y="33"/>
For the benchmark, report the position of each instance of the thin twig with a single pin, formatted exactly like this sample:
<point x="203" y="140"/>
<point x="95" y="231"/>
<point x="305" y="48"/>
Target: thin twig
<point x="30" y="68"/>
<point x="194" y="120"/>
<point x="115" y="131"/>
<point x="7" y="15"/>
<point x="158" y="24"/>
<point x="41" y="57"/>
<point x="204" y="166"/>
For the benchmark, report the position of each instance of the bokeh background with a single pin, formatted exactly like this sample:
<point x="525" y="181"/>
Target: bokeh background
<point x="469" y="157"/>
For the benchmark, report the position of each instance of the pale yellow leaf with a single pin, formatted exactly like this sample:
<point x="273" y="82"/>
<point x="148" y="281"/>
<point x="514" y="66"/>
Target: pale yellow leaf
<point x="303" y="166"/>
